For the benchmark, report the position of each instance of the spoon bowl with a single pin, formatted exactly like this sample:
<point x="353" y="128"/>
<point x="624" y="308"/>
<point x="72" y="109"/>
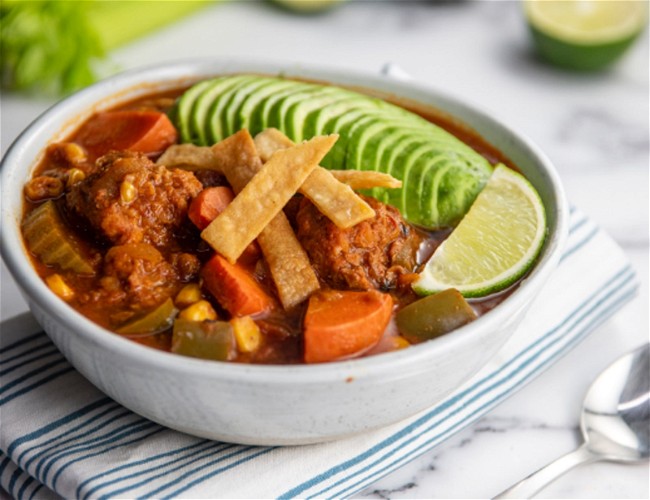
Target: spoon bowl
<point x="616" y="411"/>
<point x="615" y="422"/>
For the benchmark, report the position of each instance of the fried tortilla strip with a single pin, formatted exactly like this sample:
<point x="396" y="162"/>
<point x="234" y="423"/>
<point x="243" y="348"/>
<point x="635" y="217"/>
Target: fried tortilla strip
<point x="189" y="156"/>
<point x="269" y="141"/>
<point x="337" y="201"/>
<point x="264" y="197"/>
<point x="288" y="262"/>
<point x="366" y="179"/>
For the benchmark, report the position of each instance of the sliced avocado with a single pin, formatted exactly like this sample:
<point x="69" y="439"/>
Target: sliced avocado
<point x="248" y="115"/>
<point x="441" y="175"/>
<point x="259" y="115"/>
<point x="344" y="125"/>
<point x="230" y="100"/>
<point x="278" y="113"/>
<point x="231" y="112"/>
<point x="459" y="188"/>
<point x="315" y="118"/>
<point x="345" y="129"/>
<point x="185" y="109"/>
<point x="378" y="146"/>
<point x="372" y="155"/>
<point x="400" y="169"/>
<point x="412" y="176"/>
<point x="429" y="182"/>
<point x="287" y="109"/>
<point x="269" y="116"/>
<point x="296" y="115"/>
<point x="201" y="109"/>
<point x="213" y="120"/>
<point x="361" y="157"/>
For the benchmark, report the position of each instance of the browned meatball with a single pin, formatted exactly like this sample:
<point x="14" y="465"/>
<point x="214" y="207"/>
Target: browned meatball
<point x="129" y="199"/>
<point x="135" y="275"/>
<point x="372" y="254"/>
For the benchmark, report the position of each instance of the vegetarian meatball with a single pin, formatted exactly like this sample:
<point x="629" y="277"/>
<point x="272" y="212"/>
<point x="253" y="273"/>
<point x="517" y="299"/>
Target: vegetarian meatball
<point x="129" y="199"/>
<point x="138" y="274"/>
<point x="373" y="254"/>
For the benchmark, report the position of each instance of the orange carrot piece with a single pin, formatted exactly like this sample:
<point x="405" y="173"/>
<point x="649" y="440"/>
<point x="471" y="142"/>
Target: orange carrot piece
<point x="341" y="324"/>
<point x="235" y="288"/>
<point x="144" y="131"/>
<point x="207" y="205"/>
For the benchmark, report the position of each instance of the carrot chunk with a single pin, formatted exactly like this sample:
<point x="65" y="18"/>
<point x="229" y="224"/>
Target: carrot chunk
<point x="207" y="205"/>
<point x="235" y="288"/>
<point x="342" y="324"/>
<point x="143" y="131"/>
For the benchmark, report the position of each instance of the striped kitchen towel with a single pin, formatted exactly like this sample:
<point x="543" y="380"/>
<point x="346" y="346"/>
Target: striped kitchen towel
<point x="61" y="436"/>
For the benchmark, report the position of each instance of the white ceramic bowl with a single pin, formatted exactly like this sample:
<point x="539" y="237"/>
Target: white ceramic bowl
<point x="269" y="404"/>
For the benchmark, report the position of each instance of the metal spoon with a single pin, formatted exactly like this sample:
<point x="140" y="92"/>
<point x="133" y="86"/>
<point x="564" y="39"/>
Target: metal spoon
<point x="615" y="422"/>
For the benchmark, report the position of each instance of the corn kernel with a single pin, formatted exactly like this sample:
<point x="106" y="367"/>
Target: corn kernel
<point x="73" y="153"/>
<point x="59" y="286"/>
<point x="199" y="311"/>
<point x="399" y="342"/>
<point x="75" y="175"/>
<point x="128" y="192"/>
<point x="188" y="295"/>
<point x="67" y="154"/>
<point x="247" y="333"/>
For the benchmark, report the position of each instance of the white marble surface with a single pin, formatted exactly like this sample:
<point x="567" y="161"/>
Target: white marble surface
<point x="595" y="129"/>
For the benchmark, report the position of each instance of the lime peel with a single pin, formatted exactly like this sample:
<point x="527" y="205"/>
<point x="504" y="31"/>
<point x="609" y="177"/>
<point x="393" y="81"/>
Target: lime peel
<point x="587" y="22"/>
<point x="584" y="34"/>
<point x="494" y="245"/>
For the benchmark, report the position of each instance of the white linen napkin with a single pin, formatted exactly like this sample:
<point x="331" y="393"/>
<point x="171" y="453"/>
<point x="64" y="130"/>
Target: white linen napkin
<point x="60" y="435"/>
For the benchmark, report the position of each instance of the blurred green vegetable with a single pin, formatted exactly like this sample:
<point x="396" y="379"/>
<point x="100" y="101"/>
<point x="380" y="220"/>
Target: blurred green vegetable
<point x="57" y="46"/>
<point x="308" y="6"/>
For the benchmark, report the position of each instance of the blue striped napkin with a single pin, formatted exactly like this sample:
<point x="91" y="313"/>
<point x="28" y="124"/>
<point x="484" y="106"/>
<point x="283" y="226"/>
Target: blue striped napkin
<point x="60" y="434"/>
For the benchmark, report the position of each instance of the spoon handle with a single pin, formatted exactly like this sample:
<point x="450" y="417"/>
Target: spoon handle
<point x="527" y="487"/>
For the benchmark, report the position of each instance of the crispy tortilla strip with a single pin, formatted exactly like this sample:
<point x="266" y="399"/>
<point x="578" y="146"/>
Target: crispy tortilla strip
<point x="264" y="197"/>
<point x="237" y="159"/>
<point x="269" y="141"/>
<point x="189" y="156"/>
<point x="366" y="179"/>
<point x="337" y="201"/>
<point x="288" y="262"/>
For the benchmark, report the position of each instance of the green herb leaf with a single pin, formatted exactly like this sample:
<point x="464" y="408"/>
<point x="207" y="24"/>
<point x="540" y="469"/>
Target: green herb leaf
<point x="57" y="46"/>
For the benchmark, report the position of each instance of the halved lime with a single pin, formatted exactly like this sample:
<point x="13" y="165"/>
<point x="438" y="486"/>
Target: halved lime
<point x="585" y="34"/>
<point x="495" y="243"/>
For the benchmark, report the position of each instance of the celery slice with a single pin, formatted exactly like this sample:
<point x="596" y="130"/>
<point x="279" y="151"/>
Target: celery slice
<point x="49" y="240"/>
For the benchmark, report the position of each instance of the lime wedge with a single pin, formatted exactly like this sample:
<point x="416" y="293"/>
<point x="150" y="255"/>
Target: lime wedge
<point x="584" y="34"/>
<point x="495" y="243"/>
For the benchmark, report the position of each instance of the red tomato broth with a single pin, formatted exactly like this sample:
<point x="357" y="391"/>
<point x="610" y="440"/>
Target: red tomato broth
<point x="282" y="340"/>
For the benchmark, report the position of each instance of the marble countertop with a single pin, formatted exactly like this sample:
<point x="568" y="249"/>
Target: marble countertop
<point x="593" y="127"/>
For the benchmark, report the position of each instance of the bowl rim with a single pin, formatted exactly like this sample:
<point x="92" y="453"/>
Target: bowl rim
<point x="21" y="157"/>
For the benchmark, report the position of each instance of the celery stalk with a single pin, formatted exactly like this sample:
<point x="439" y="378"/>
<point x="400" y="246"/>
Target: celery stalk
<point x="55" y="46"/>
<point x="122" y="21"/>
